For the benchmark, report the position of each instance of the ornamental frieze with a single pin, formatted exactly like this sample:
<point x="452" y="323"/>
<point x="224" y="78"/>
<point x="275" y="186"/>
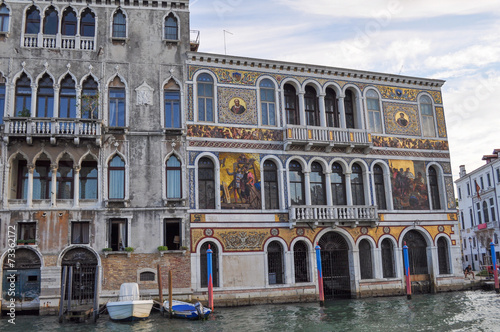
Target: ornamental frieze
<point x="409" y="143"/>
<point x="441" y="122"/>
<point x="243" y="240"/>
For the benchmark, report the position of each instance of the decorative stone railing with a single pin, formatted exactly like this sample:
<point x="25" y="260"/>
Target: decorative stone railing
<point x="334" y="215"/>
<point x="59" y="41"/>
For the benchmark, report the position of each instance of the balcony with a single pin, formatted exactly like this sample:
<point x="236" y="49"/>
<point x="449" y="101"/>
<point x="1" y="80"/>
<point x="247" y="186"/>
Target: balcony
<point x="59" y="42"/>
<point x="52" y="128"/>
<point x="492" y="225"/>
<point x="334" y="215"/>
<point x="328" y="138"/>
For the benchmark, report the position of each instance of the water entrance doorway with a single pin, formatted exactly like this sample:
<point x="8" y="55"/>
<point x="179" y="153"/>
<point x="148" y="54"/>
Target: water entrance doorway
<point x="335" y="263"/>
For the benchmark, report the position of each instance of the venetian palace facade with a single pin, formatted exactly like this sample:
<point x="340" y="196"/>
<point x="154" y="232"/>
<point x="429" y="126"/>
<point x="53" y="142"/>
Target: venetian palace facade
<point x="119" y="137"/>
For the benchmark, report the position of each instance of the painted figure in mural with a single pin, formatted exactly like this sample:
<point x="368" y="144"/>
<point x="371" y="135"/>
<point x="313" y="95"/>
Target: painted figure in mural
<point x="402" y="121"/>
<point x="237" y="108"/>
<point x="409" y="190"/>
<point x="237" y="184"/>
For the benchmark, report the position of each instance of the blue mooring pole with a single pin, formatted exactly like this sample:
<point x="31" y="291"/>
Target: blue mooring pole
<point x="320" y="276"/>
<point x="210" y="279"/>
<point x="407" y="271"/>
<point x="494" y="263"/>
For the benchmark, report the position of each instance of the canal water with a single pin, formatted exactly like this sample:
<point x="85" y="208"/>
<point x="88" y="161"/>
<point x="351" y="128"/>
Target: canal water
<point x="457" y="311"/>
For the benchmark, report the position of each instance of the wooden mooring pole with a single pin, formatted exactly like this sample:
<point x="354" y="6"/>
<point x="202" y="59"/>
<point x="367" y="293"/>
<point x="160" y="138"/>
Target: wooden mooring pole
<point x="170" y="290"/>
<point x="160" y="284"/>
<point x="63" y="290"/>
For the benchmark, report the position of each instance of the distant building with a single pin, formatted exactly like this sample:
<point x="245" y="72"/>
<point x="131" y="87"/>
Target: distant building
<point x="478" y="196"/>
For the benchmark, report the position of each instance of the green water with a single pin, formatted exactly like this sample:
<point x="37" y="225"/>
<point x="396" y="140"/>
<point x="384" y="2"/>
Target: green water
<point x="458" y="311"/>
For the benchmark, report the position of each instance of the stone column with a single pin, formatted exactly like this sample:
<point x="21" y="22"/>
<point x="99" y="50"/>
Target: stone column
<point x="307" y="188"/>
<point x="348" y="191"/>
<point x="29" y="195"/>
<point x="322" y="112"/>
<point x="328" y="189"/>
<point x="302" y="109"/>
<point x="341" y="112"/>
<point x="53" y="189"/>
<point x="76" y="189"/>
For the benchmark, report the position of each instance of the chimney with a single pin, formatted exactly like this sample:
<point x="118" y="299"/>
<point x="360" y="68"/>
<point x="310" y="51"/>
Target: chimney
<point x="462" y="171"/>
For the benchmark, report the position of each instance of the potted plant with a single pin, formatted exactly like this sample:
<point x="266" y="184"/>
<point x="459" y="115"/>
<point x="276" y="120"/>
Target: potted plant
<point x="107" y="249"/>
<point x="162" y="248"/>
<point x="30" y="242"/>
<point x="24" y="113"/>
<point x="20" y="242"/>
<point x="129" y="249"/>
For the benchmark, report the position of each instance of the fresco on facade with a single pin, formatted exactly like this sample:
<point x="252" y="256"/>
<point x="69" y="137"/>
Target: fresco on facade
<point x="409" y="185"/>
<point x="234" y="133"/>
<point x="401" y="119"/>
<point x="237" y="106"/>
<point x="409" y="143"/>
<point x="240" y="181"/>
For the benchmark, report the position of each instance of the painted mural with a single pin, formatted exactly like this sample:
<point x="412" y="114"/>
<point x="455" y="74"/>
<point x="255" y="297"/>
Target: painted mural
<point x="234" y="133"/>
<point x="409" y="185"/>
<point x="409" y="143"/>
<point x="401" y="119"/>
<point x="237" y="106"/>
<point x="440" y="121"/>
<point x="240" y="181"/>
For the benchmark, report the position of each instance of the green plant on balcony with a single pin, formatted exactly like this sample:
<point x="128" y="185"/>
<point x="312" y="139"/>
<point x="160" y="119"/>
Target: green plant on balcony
<point x="129" y="249"/>
<point x="90" y="106"/>
<point x="107" y="249"/>
<point x="162" y="248"/>
<point x="28" y="242"/>
<point x="24" y="113"/>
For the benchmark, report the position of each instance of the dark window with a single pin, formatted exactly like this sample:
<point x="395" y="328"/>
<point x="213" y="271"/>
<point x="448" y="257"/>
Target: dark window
<point x="22" y="173"/>
<point x="116" y="107"/>
<point x="171" y="28"/>
<point x="486" y="212"/>
<point x="468" y="189"/>
<point x="215" y="264"/>
<point x="87" y="24"/>
<point x="444" y="265"/>
<point x="338" y="185"/>
<point x="417" y="252"/>
<point x="118" y="234"/>
<point x="378" y="177"/>
<point x="205" y="98"/>
<point x="271" y="193"/>
<point x="4" y="18"/>
<point x="80" y="232"/>
<point x="492" y="209"/>
<point x="463" y="221"/>
<point x="67" y="98"/>
<point x="147" y="276"/>
<point x="206" y="184"/>
<point x="459" y="193"/>
<point x="275" y="263"/>
<point x="50" y="21"/>
<point x="311" y="106"/>
<point x="42" y="179"/>
<point x="498" y="175"/>
<point x="65" y="177"/>
<point x="27" y="231"/>
<point x="365" y="259"/>
<point x="488" y="179"/>
<point x="331" y="109"/>
<point x="291" y="105"/>
<point x="45" y="104"/>
<point x="23" y="96"/>
<point x="357" y="186"/>
<point x="119" y="24"/>
<point x="90" y="99"/>
<point x="267" y="102"/>
<point x="296" y="183"/>
<point x="2" y="101"/>
<point x="116" y="178"/>
<point x="471" y="215"/>
<point x="32" y="21"/>
<point x="172" y="109"/>
<point x="69" y="22"/>
<point x="301" y="262"/>
<point x="88" y="180"/>
<point x="172" y="234"/>
<point x="349" y="109"/>
<point x="479" y="219"/>
<point x="434" y="187"/>
<point x="174" y="179"/>
<point x="388" y="259"/>
<point x="317" y="184"/>
<point x="482" y="183"/>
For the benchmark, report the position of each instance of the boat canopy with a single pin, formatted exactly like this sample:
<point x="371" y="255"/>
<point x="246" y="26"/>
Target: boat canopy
<point x="129" y="292"/>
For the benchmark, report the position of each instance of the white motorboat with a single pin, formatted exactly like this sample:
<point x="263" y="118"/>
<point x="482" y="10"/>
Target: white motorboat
<point x="129" y="305"/>
<point x="187" y="310"/>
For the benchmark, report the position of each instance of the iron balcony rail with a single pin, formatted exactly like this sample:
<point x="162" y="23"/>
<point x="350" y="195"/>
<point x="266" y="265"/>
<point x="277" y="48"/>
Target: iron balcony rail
<point x="52" y="127"/>
<point x="324" y="213"/>
<point x="486" y="226"/>
<point x="327" y="136"/>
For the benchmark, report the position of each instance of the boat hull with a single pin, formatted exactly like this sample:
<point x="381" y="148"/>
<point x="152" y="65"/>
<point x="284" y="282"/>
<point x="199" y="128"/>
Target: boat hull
<point x="186" y="310"/>
<point x="129" y="310"/>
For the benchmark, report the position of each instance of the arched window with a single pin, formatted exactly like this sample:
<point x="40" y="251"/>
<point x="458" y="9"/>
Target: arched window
<point x="357" y="185"/>
<point x="296" y="183"/>
<point x="116" y="178"/>
<point x="444" y="265"/>
<point x="87" y="23"/>
<point x="365" y="259"/>
<point x="492" y="209"/>
<point x="267" y="102"/>
<point x="203" y="264"/>
<point x="67" y="98"/>
<point x="417" y="252"/>
<point x="271" y="193"/>
<point x="434" y="187"/>
<point x="301" y="262"/>
<point x="373" y="106"/>
<point x="2" y="98"/>
<point x="23" y="96"/>
<point x="428" y="127"/>
<point x="171" y="28"/>
<point x="42" y="179"/>
<point x="172" y="96"/>
<point x="205" y="98"/>
<point x="206" y="184"/>
<point x="32" y="21"/>
<point x="311" y="106"/>
<point x="174" y="178"/>
<point x="275" y="263"/>
<point x="88" y="179"/>
<point x="317" y="184"/>
<point x="50" y="21"/>
<point x="338" y="185"/>
<point x="291" y="105"/>
<point x="90" y="99"/>
<point x="45" y="97"/>
<point x="119" y="24"/>
<point x="4" y="18"/>
<point x="117" y="103"/>
<point x="388" y="259"/>
<point x="349" y="109"/>
<point x="378" y="179"/>
<point x="65" y="176"/>
<point x="69" y="22"/>
<point x="485" y="212"/>
<point x="331" y="109"/>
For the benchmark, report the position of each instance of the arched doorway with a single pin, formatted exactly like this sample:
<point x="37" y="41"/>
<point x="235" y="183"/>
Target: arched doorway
<point x="81" y="266"/>
<point x="417" y="252"/>
<point x="215" y="264"/>
<point x="24" y="271"/>
<point x="335" y="264"/>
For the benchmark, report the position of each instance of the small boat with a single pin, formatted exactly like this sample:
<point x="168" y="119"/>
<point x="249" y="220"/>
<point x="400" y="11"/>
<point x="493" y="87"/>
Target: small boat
<point x="187" y="310"/>
<point x="129" y="305"/>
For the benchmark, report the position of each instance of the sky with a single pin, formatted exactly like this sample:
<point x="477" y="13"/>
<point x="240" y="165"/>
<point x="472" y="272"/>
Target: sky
<point x="454" y="40"/>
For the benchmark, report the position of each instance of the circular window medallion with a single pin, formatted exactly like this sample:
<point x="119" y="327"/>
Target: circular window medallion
<point x="274" y="232"/>
<point x="209" y="232"/>
<point x="364" y="230"/>
<point x="387" y="230"/>
<point x="441" y="229"/>
<point x="300" y="231"/>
